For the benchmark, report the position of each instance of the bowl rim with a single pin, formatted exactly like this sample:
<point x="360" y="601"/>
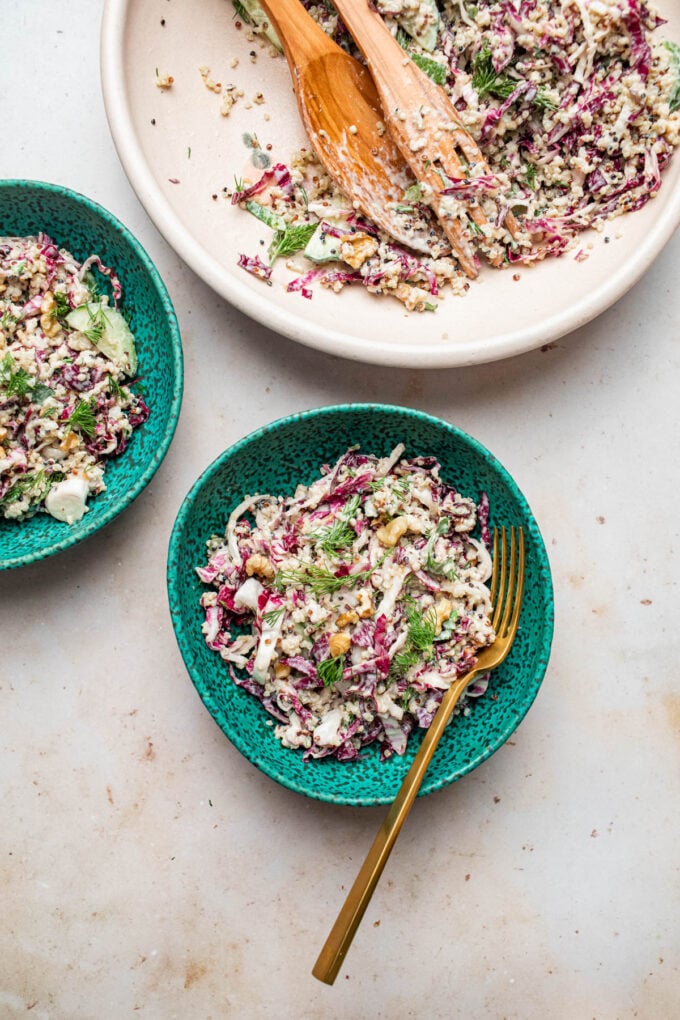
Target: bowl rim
<point x="141" y="481"/>
<point x="185" y="643"/>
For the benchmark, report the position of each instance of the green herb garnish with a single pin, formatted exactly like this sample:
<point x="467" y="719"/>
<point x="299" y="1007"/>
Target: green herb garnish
<point x="419" y="646"/>
<point x="530" y="175"/>
<point x="432" y="68"/>
<point x="83" y="418"/>
<point x="289" y="240"/>
<point x="485" y="79"/>
<point x="273" y="616"/>
<point x="332" y="539"/>
<point x="331" y="670"/>
<point x="320" y="580"/>
<point x="61" y="305"/>
<point x="447" y="567"/>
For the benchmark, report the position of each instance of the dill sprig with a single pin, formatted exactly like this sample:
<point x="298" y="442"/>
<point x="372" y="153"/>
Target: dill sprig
<point x="83" y="418"/>
<point x="419" y="646"/>
<point x="291" y="239"/>
<point x="331" y="670"/>
<point x="95" y="330"/>
<point x="39" y="484"/>
<point x="61" y="305"/>
<point x="445" y="568"/>
<point x="320" y="580"/>
<point x="273" y="616"/>
<point x="332" y="539"/>
<point x="339" y="535"/>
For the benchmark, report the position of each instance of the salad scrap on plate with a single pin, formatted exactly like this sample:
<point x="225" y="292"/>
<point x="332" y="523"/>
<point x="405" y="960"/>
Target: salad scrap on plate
<point x="67" y="358"/>
<point x="574" y="104"/>
<point x="349" y="607"/>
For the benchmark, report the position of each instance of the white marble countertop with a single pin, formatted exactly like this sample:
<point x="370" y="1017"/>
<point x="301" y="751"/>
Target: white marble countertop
<point x="148" y="870"/>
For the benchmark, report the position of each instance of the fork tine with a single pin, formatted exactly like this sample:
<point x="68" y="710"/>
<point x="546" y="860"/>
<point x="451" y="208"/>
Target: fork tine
<point x="498" y="597"/>
<point x="510" y="592"/>
<point x="495" y="568"/>
<point x="514" y="621"/>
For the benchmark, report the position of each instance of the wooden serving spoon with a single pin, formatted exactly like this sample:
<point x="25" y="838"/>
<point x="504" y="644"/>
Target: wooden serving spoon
<point x="429" y="133"/>
<point x="341" y="113"/>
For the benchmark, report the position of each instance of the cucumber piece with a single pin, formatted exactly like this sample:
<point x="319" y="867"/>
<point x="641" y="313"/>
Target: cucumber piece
<point x="251" y="12"/>
<point x="423" y="26"/>
<point x="108" y="331"/>
<point x="322" y="247"/>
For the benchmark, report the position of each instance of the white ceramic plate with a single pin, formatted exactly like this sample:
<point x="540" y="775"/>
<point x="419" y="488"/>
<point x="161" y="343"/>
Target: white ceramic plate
<point x="179" y="152"/>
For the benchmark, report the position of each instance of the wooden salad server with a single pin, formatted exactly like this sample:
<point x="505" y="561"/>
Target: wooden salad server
<point x="341" y="113"/>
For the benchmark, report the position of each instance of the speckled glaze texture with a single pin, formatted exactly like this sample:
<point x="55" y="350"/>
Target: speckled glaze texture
<point x="85" y="228"/>
<point x="275" y="459"/>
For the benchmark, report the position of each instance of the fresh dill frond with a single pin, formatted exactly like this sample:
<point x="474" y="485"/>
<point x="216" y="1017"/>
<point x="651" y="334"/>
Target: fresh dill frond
<point x="273" y="616"/>
<point x="61" y="305"/>
<point x="331" y="670"/>
<point x="320" y="580"/>
<point x="332" y="539"/>
<point x="83" y="418"/>
<point x="97" y="320"/>
<point x="445" y="568"/>
<point x="485" y="79"/>
<point x="17" y="382"/>
<point x="292" y="239"/>
<point x="419" y="645"/>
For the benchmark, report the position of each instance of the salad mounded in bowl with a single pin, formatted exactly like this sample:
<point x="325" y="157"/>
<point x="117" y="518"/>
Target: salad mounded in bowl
<point x="349" y="607"/>
<point x="90" y="343"/>
<point x="225" y="612"/>
<point x="67" y="357"/>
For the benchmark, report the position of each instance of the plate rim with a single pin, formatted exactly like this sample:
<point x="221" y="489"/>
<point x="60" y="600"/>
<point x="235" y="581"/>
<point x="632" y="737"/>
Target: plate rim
<point x="185" y="645"/>
<point x="294" y="326"/>
<point x="109" y="514"/>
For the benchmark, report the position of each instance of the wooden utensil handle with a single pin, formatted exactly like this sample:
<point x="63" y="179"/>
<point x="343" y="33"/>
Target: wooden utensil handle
<point x="307" y="41"/>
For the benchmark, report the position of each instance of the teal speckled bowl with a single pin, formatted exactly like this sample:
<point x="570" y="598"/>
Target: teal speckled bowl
<point x="274" y="459"/>
<point x="85" y="228"/>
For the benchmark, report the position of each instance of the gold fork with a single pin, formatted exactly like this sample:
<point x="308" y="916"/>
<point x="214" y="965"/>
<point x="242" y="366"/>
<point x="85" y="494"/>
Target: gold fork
<point x="507" y="584"/>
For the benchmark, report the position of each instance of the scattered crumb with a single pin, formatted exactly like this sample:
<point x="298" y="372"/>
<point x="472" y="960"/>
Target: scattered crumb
<point x="376" y="924"/>
<point x="645" y="602"/>
<point x="600" y="519"/>
<point x="467" y="878"/>
<point x="258" y="98"/>
<point x="164" y="81"/>
<point x="210" y="83"/>
<point x="234" y="62"/>
<point x="231" y="95"/>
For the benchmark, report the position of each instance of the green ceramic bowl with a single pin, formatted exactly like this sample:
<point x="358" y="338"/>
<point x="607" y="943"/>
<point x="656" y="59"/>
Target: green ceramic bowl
<point x="274" y="459"/>
<point x="84" y="228"/>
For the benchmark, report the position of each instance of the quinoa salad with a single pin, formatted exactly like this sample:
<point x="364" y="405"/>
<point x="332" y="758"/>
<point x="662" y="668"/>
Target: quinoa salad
<point x="575" y="105"/>
<point x="348" y="608"/>
<point x="67" y="357"/>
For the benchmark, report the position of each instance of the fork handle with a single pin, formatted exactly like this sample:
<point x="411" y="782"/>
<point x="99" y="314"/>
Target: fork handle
<point x="340" y="938"/>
